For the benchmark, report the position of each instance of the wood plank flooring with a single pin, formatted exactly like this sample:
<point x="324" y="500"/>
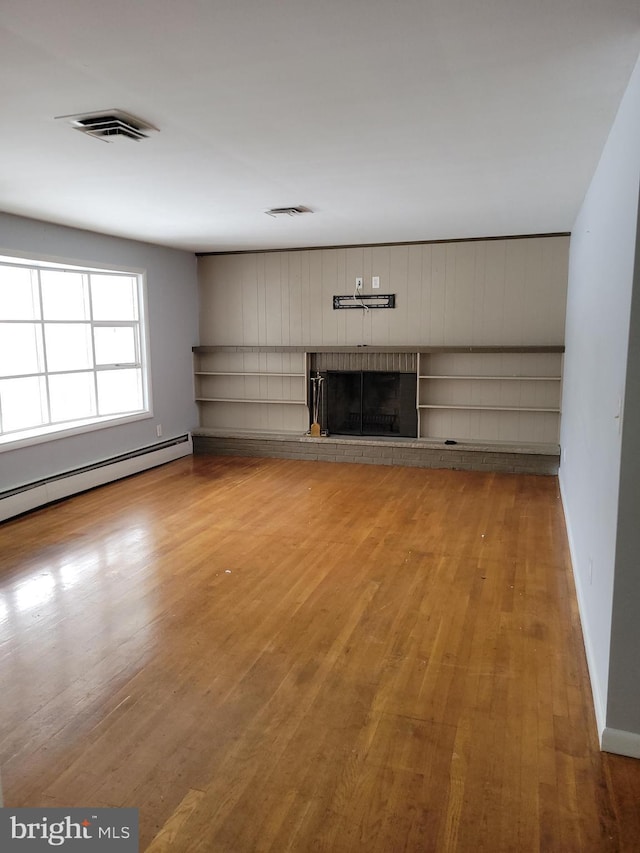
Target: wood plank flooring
<point x="275" y="655"/>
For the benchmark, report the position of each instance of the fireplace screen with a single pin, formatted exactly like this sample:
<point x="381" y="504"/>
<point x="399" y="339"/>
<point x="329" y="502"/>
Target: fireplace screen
<point x="363" y="402"/>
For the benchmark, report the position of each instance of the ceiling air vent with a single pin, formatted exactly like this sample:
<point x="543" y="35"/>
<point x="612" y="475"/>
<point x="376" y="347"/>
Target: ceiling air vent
<point x="288" y="211"/>
<point x="110" y="125"/>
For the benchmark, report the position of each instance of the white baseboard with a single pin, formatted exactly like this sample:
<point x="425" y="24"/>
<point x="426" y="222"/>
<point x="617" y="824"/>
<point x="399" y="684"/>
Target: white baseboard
<point x="599" y="701"/>
<point x="621" y="743"/>
<point x="72" y="484"/>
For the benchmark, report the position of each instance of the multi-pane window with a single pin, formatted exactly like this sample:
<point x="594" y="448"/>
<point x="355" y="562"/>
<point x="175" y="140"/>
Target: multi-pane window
<point x="71" y="348"/>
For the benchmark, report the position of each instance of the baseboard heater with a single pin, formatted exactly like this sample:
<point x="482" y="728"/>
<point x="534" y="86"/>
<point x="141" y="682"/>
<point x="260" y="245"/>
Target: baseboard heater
<point x="40" y="492"/>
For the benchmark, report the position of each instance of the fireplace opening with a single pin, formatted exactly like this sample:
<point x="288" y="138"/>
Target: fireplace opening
<point x="367" y="402"/>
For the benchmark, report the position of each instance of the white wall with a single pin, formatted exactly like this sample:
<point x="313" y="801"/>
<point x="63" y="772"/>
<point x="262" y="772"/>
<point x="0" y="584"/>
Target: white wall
<point x="173" y="330"/>
<point x="601" y="273"/>
<point x="623" y="705"/>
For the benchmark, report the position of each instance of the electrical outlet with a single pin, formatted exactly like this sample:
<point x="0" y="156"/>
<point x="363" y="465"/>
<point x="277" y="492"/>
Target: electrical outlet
<point x="359" y="281"/>
<point x="375" y="282"/>
<point x="159" y="430"/>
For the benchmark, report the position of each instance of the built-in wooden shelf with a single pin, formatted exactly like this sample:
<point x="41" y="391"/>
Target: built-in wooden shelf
<point x="511" y="392"/>
<point x="248" y="400"/>
<point x="485" y="408"/>
<point x="478" y="393"/>
<point x="245" y="373"/>
<point x="518" y="378"/>
<point x="253" y="388"/>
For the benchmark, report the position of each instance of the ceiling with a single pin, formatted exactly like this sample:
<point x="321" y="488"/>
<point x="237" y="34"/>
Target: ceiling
<point x="393" y="120"/>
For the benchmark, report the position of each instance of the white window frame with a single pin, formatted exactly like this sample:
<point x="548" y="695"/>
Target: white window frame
<point x="50" y="432"/>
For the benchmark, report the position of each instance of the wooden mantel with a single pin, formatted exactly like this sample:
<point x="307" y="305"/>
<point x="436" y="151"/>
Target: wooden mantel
<point x="376" y="348"/>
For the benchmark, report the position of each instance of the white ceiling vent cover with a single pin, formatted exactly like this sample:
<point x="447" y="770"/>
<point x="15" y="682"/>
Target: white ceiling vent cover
<point x="110" y="125"/>
<point x="288" y="211"/>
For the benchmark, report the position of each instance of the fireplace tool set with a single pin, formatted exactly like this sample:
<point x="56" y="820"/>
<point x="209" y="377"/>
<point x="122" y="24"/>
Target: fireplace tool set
<point x="317" y="383"/>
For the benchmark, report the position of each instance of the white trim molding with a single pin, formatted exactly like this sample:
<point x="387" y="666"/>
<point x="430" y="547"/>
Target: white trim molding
<point x="621" y="743"/>
<point x="72" y="482"/>
<point x="599" y="701"/>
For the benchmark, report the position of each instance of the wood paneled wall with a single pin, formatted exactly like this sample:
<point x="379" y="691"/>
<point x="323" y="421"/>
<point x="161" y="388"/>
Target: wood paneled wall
<point x="485" y="292"/>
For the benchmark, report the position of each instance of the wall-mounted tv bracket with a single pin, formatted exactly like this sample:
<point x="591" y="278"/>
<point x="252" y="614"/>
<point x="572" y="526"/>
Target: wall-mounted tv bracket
<point x="381" y="300"/>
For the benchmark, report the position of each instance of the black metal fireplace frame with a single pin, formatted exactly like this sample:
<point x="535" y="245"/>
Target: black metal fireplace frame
<point x="365" y="422"/>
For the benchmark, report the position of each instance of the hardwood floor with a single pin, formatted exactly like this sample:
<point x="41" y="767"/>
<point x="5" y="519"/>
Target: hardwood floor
<point x="273" y="655"/>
